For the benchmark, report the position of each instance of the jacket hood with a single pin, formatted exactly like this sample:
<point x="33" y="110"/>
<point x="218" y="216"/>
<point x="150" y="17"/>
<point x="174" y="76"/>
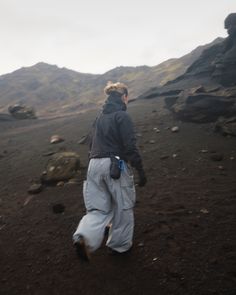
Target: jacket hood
<point x="113" y="104"/>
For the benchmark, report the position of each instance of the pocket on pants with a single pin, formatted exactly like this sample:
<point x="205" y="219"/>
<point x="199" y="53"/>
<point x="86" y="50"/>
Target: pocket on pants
<point x="128" y="191"/>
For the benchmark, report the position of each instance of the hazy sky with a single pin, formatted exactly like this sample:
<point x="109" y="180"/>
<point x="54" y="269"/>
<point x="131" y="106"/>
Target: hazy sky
<point x="95" y="36"/>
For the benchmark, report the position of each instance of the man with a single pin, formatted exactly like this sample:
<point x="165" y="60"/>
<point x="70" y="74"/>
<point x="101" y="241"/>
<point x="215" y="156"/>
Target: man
<point x="109" y="198"/>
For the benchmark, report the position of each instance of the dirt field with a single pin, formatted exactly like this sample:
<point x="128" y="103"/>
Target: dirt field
<point x="185" y="235"/>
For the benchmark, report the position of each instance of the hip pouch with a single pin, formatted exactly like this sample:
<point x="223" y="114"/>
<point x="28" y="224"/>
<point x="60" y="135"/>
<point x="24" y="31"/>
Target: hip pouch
<point x="115" y="168"/>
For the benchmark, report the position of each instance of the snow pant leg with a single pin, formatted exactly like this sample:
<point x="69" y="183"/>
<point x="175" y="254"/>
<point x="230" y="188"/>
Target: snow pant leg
<point x="123" y="195"/>
<point x="121" y="232"/>
<point x="92" y="227"/>
<point x="97" y="199"/>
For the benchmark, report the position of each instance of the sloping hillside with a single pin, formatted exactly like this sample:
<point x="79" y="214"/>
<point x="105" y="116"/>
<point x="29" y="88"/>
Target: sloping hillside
<point x="52" y="90"/>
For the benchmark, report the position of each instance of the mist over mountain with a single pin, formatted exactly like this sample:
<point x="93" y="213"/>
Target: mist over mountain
<point x="51" y="90"/>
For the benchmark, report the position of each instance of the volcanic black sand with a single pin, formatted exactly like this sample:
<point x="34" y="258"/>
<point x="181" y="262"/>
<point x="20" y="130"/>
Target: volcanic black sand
<point x="185" y="235"/>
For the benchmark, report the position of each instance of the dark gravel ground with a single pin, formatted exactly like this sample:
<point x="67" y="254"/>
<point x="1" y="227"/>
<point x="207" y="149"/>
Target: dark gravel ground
<point x="185" y="241"/>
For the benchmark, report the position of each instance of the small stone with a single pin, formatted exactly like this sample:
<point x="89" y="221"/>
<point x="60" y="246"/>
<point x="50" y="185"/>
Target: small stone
<point x="164" y="157"/>
<point x="175" y="129"/>
<point x="220" y="167"/>
<point x="74" y="181"/>
<point x="204" y="211"/>
<point x="52" y="168"/>
<point x="58" y="208"/>
<point x="60" y="183"/>
<point x="204" y="151"/>
<point x="217" y="157"/>
<point x="174" y="156"/>
<point x="35" y="188"/>
<point x="48" y="154"/>
<point x="232" y="158"/>
<point x="155" y="259"/>
<point x="152" y="141"/>
<point x="83" y="139"/>
<point x="56" y="139"/>
<point x="141" y="245"/>
<point x="156" y="130"/>
<point x="139" y="134"/>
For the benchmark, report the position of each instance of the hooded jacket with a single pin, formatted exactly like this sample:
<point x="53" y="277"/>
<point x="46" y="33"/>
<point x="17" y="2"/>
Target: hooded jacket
<point x="113" y="133"/>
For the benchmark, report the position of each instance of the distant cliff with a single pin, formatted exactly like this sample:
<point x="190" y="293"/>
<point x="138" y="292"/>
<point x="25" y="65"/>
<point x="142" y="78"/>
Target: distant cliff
<point x="206" y="92"/>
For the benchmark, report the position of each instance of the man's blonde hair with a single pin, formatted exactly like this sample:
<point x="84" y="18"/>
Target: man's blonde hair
<point x="119" y="88"/>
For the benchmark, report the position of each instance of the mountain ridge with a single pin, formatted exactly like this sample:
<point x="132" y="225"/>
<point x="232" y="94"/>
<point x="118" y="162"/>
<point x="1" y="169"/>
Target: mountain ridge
<point x="52" y="90"/>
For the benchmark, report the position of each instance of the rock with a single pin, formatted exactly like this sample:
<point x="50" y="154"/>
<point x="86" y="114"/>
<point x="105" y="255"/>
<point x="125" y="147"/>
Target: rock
<point x="208" y="85"/>
<point x="208" y="89"/>
<point x="35" y="188"/>
<point x="174" y="156"/>
<point x="74" y="181"/>
<point x="202" y="108"/>
<point x="226" y="126"/>
<point x="217" y="157"/>
<point x="58" y="208"/>
<point x="49" y="154"/>
<point x="204" y="151"/>
<point x="156" y="130"/>
<point x="164" y="157"/>
<point x="204" y="211"/>
<point x="84" y="139"/>
<point x="175" y="129"/>
<point x="56" y="139"/>
<point x="60" y="183"/>
<point x="28" y="199"/>
<point x="225" y="71"/>
<point x="61" y="167"/>
<point x="22" y="112"/>
<point x="152" y="141"/>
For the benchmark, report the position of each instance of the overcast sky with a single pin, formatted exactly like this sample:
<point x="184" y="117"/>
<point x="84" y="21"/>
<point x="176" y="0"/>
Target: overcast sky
<point x="95" y="36"/>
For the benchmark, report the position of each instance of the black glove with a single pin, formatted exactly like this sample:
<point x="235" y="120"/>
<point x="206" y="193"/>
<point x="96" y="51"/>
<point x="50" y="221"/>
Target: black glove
<point x="142" y="178"/>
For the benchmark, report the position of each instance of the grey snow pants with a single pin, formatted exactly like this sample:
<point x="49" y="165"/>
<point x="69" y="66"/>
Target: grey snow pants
<point x="107" y="201"/>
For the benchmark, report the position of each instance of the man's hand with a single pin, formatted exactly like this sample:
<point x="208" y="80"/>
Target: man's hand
<point x="142" y="178"/>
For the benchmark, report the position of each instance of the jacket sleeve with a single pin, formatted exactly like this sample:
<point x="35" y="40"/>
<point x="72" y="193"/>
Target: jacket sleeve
<point x="128" y="138"/>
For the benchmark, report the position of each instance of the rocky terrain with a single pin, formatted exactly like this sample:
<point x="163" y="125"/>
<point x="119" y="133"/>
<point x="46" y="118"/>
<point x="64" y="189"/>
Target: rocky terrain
<point x="185" y="215"/>
<point x="206" y="92"/>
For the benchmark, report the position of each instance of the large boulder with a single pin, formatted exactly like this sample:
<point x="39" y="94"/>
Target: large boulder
<point x="197" y="105"/>
<point x="22" y="112"/>
<point x="225" y="61"/>
<point x="62" y="167"/>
